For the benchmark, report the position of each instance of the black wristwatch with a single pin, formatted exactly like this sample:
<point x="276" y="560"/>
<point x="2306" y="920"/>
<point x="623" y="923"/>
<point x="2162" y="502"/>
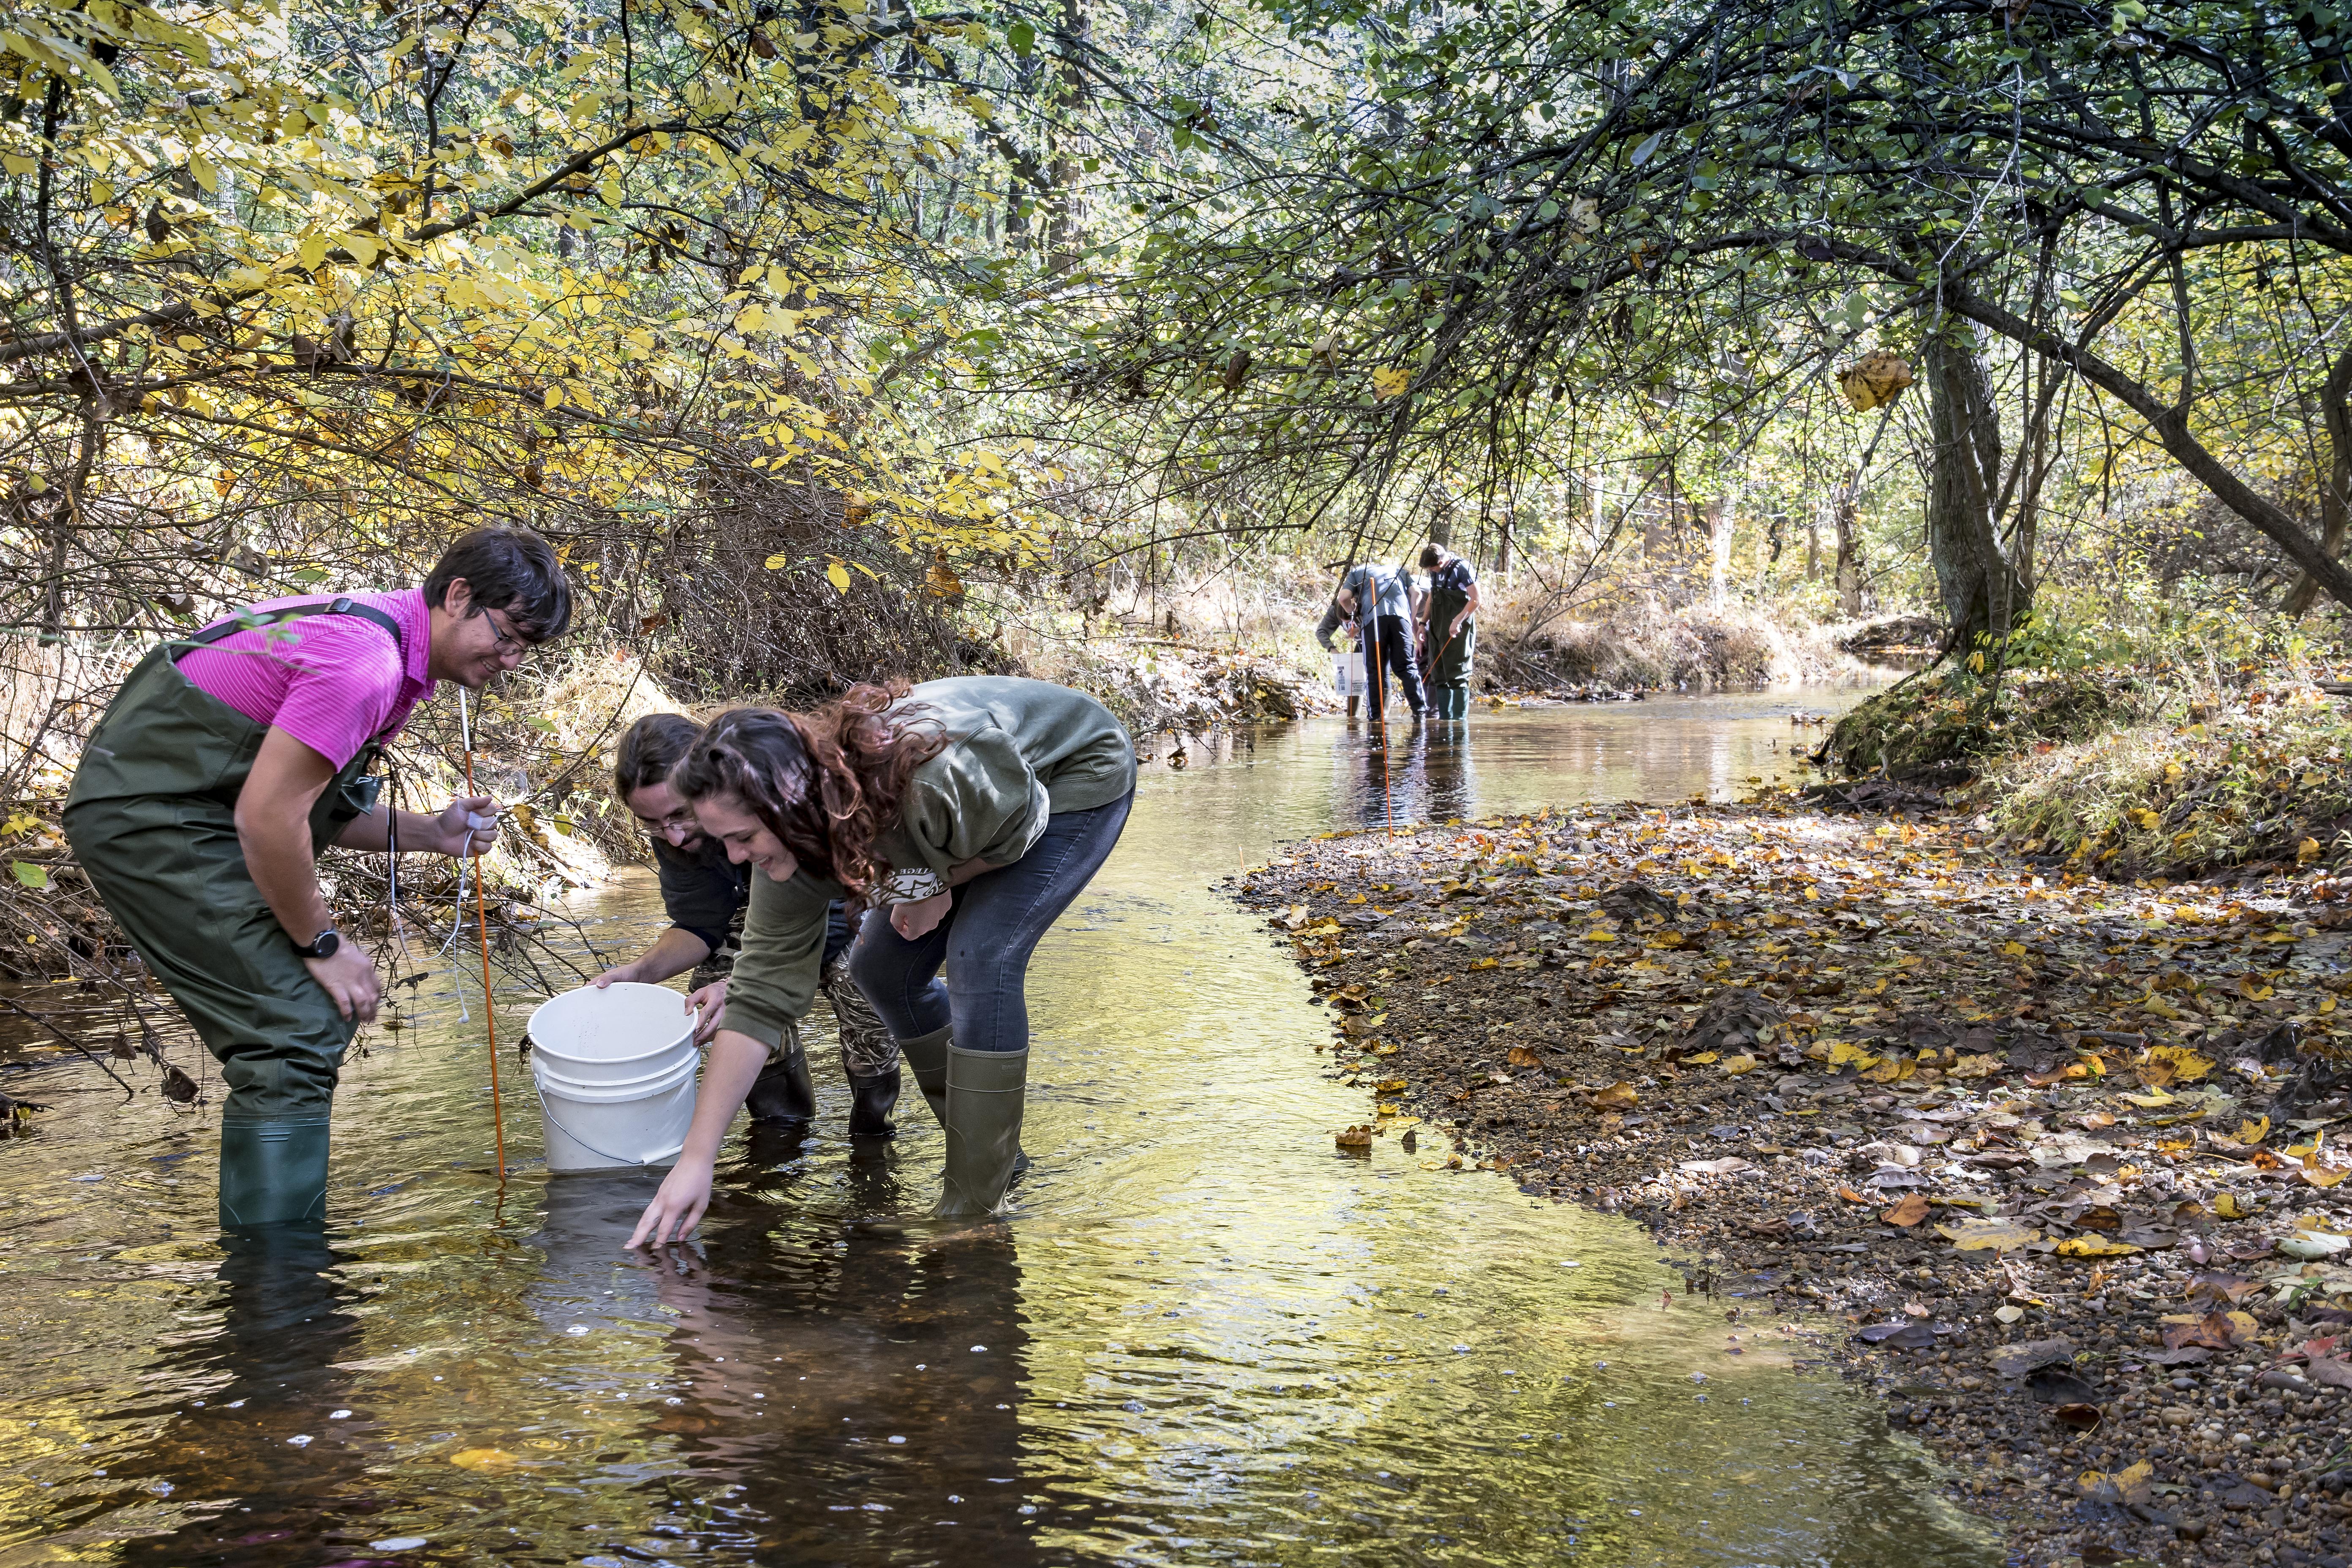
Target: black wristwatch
<point x="322" y="945"/>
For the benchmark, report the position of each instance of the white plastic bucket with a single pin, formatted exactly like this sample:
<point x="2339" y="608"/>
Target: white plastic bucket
<point x="616" y="1084"/>
<point x="1347" y="673"/>
<point x="626" y="1031"/>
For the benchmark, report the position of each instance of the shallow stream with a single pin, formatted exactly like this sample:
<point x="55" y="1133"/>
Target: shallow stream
<point x="1206" y="1336"/>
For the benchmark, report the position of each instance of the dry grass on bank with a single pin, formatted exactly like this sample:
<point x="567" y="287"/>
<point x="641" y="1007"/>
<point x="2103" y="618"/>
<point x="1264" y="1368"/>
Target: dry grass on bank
<point x="1637" y="640"/>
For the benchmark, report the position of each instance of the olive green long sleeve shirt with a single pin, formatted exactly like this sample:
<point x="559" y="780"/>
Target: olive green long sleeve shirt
<point x="1018" y="751"/>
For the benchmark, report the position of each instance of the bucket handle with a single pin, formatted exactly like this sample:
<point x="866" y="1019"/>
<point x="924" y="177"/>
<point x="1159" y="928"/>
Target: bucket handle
<point x="567" y="1131"/>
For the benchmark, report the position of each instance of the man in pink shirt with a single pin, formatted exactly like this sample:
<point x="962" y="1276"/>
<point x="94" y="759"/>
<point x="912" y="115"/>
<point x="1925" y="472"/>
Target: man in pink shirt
<point x="225" y="762"/>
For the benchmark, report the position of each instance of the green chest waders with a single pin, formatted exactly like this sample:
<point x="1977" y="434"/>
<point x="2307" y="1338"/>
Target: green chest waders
<point x="1449" y="673"/>
<point x="152" y="820"/>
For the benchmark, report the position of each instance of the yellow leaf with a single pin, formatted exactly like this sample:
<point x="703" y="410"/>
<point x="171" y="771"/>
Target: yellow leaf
<point x="2230" y="1205"/>
<point x="2160" y="1007"/>
<point x="1982" y="1234"/>
<point x="1388" y="382"/>
<point x="2155" y="1098"/>
<point x="1738" y="1064"/>
<point x="1488" y="963"/>
<point x="1702" y="1058"/>
<point x="2094" y="1246"/>
<point x="1974" y="1066"/>
<point x="2307" y="851"/>
<point x="1597" y="935"/>
<point x="778" y="563"/>
<point x="2321" y="1175"/>
<point x="2014" y="948"/>
<point x="1618" y="1096"/>
<point x="17" y="163"/>
<point x="838" y="575"/>
<point x="2187" y="1066"/>
<point x="1521" y="1057"/>
<point x="1844" y="1055"/>
<point x="484" y="1459"/>
<point x="2255" y="1132"/>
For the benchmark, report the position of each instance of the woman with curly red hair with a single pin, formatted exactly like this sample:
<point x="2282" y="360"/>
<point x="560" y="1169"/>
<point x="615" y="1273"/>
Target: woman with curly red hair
<point x="966" y="814"/>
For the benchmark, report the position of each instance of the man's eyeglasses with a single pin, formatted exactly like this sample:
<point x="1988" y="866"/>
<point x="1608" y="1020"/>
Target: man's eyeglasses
<point x="504" y="637"/>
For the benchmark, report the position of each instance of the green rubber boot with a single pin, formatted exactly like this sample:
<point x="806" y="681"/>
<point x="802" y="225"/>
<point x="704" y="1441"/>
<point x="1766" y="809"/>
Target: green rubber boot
<point x="986" y="1092"/>
<point x="927" y="1058"/>
<point x="273" y="1172"/>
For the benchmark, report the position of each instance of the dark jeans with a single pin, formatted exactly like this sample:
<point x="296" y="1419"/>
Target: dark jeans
<point x="1392" y="642"/>
<point x="986" y="939"/>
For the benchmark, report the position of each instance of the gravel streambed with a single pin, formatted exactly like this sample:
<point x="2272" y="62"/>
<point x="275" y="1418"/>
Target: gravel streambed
<point x="2062" y="1160"/>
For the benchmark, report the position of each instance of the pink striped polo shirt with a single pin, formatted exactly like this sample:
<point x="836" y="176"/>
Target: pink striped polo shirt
<point x="332" y="682"/>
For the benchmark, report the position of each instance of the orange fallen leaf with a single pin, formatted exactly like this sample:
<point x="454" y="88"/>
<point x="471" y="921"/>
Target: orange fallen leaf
<point x="1909" y="1212"/>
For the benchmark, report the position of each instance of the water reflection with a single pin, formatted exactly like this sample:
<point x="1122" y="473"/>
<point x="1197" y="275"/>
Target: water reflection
<point x="1206" y="1334"/>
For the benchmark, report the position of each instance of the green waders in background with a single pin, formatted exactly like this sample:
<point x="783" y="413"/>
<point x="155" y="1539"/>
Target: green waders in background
<point x="1449" y="671"/>
<point x="152" y="820"/>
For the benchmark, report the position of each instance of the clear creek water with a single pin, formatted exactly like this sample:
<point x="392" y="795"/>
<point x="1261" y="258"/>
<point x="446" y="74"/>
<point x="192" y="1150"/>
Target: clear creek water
<point x="1205" y="1336"/>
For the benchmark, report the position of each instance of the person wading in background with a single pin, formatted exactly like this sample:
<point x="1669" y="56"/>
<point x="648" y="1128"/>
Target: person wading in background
<point x="970" y="812"/>
<point x="1451" y="631"/>
<point x="705" y="896"/>
<point x="228" y="761"/>
<point x="1376" y="599"/>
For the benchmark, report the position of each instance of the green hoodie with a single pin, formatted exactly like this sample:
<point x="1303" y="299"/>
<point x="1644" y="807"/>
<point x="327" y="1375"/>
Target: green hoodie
<point x="1018" y="752"/>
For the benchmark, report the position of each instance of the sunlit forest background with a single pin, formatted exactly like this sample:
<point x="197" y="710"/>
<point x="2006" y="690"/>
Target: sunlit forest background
<point x="849" y="339"/>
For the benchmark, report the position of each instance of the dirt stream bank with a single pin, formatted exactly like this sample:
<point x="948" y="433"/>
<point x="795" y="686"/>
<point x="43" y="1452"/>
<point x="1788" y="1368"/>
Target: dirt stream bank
<point x="2056" y="1161"/>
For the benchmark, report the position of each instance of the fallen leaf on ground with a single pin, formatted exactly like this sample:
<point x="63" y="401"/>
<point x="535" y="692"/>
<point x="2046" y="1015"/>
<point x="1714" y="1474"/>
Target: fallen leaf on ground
<point x="1617" y="1096"/>
<point x="2187" y="1066"/>
<point x="2094" y="1246"/>
<point x="1907" y="1213"/>
<point x="2029" y="1355"/>
<point x="1978" y="1235"/>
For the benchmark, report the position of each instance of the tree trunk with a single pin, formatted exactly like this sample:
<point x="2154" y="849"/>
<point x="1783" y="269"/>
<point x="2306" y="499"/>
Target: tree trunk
<point x="1849" y="556"/>
<point x="2336" y="497"/>
<point x="1980" y="588"/>
<point x="1720" y="527"/>
<point x="1066" y="231"/>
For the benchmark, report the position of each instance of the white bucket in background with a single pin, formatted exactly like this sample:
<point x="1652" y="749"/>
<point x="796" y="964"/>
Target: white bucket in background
<point x="615" y="1074"/>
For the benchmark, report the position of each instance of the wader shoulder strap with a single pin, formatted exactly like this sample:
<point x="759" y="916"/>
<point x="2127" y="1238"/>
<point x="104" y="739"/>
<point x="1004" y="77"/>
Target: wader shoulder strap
<point x="341" y="606"/>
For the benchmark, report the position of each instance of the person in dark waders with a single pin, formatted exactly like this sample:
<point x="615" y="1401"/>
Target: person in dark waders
<point x="1448" y="611"/>
<point x="705" y="896"/>
<point x="1376" y="599"/>
<point x="228" y="761"/>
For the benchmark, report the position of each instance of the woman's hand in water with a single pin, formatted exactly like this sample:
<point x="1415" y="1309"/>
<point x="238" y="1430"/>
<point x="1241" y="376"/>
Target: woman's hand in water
<point x="678" y="1208"/>
<point x="734" y="1064"/>
<point x="921" y="917"/>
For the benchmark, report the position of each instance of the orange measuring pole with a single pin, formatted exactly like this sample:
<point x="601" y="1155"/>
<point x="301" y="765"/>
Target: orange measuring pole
<point x="482" y="924"/>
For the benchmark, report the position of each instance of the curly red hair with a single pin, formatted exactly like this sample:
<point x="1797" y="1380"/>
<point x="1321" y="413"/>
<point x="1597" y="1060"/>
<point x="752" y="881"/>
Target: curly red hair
<point x="828" y="784"/>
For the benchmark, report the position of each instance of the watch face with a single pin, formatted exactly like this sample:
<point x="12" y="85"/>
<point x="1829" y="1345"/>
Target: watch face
<point x="324" y="944"/>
